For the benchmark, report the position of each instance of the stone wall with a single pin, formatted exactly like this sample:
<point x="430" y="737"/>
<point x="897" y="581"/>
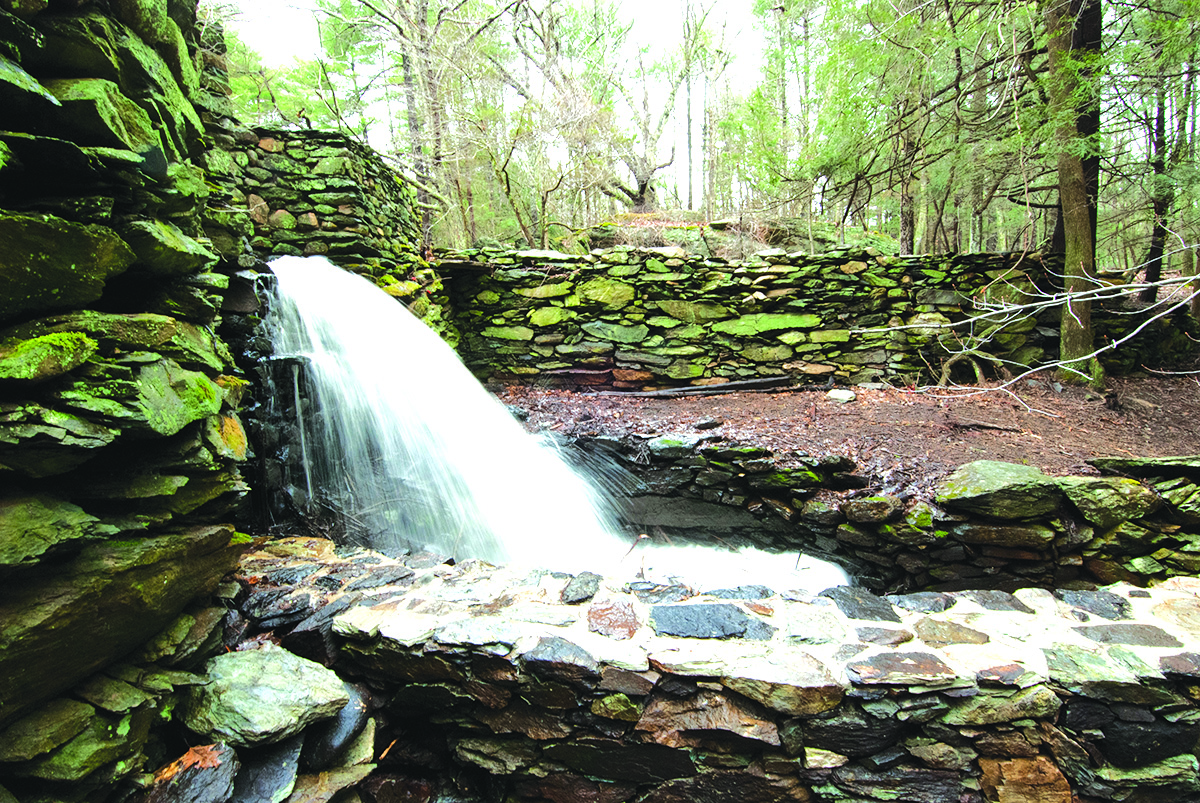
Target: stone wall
<point x="645" y="318"/>
<point x="120" y="439"/>
<point x="988" y="525"/>
<point x="488" y="684"/>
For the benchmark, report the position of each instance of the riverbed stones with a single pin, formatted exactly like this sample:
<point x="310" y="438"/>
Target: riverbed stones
<point x="262" y="696"/>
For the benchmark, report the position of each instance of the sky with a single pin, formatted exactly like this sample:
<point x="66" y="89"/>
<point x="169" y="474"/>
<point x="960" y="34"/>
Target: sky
<point x="282" y="30"/>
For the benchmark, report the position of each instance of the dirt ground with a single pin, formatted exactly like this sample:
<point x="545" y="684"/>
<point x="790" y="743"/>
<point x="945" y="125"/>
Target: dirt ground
<point x="902" y="438"/>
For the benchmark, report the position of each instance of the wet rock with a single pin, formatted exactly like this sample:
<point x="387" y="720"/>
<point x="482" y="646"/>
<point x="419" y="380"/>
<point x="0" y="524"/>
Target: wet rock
<point x="792" y="682"/>
<point x="555" y="658"/>
<point x="1035" y="702"/>
<point x="872" y="509"/>
<point x="204" y="774"/>
<point x="381" y="576"/>
<point x="993" y="600"/>
<point x="1104" y="604"/>
<point x="276" y="607"/>
<point x="48" y="635"/>
<point x="262" y="696"/>
<point x="164" y="251"/>
<point x="1128" y="633"/>
<point x="939" y="633"/>
<point x="269" y="773"/>
<point x="1032" y="536"/>
<point x="850" y="732"/>
<point x="1178" y="774"/>
<point x="718" y="787"/>
<point x="707" y="621"/>
<point x="325" y="786"/>
<point x="897" y="783"/>
<point x="901" y="669"/>
<point x="615" y="618"/>
<point x="616" y="761"/>
<point x="517" y="717"/>
<point x="1002" y="490"/>
<point x="1135" y="744"/>
<point x="741" y="593"/>
<point x="35" y="527"/>
<point x="582" y="587"/>
<point x="626" y="682"/>
<point x="923" y="601"/>
<point x="683" y="722"/>
<point x="858" y="603"/>
<point x="327" y="742"/>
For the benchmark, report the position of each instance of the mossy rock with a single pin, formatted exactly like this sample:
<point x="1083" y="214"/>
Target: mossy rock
<point x="693" y="311"/>
<point x="1002" y="490"/>
<point x="40" y="358"/>
<point x="47" y="263"/>
<point x="95" y="112"/>
<point x="760" y="322"/>
<point x="32" y="527"/>
<point x="164" y="251"/>
<point x="608" y="292"/>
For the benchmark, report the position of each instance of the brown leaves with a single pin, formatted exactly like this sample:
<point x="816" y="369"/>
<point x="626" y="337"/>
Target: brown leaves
<point x="205" y="756"/>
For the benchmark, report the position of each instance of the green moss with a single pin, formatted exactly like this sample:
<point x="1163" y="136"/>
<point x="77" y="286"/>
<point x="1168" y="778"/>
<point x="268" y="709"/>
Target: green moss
<point x="43" y="357"/>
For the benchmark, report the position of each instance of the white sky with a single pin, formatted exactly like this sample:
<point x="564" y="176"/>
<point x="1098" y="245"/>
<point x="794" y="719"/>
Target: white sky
<point x="282" y="30"/>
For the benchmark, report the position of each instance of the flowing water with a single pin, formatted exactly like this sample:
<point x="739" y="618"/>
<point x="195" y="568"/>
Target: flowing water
<point x="408" y="447"/>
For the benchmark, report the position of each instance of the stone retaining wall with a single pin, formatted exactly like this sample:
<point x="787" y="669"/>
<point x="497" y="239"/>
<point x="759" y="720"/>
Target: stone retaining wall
<point x="642" y="318"/>
<point x="988" y="525"/>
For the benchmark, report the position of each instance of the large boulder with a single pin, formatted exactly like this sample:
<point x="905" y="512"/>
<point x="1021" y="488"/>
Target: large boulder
<point x="262" y="697"/>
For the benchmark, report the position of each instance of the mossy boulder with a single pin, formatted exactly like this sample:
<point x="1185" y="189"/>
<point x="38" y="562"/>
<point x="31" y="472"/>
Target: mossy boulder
<point x="58" y="628"/>
<point x="32" y="527"/>
<point x="164" y="251"/>
<point x="610" y="293"/>
<point x="1002" y="490"/>
<point x="616" y="332"/>
<point x="693" y="311"/>
<point x="94" y="112"/>
<point x="40" y="358"/>
<point x="47" y="263"/>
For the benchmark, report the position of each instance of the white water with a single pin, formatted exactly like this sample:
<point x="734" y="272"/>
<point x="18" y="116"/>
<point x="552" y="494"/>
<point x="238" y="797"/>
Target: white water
<point x="406" y="443"/>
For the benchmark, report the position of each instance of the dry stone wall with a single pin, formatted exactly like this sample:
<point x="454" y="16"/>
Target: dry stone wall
<point x="643" y="318"/>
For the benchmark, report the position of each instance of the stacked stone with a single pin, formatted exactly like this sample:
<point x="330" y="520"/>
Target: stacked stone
<point x="650" y="317"/>
<point x="550" y="687"/>
<point x="120" y="442"/>
<point x="988" y="525"/>
<point x="644" y="318"/>
<point x="321" y="193"/>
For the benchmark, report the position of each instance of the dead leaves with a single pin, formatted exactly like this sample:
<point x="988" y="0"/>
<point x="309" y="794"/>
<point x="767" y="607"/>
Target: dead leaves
<point x="206" y="756"/>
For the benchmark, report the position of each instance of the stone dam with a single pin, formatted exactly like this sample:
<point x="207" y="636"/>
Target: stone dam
<point x="169" y="631"/>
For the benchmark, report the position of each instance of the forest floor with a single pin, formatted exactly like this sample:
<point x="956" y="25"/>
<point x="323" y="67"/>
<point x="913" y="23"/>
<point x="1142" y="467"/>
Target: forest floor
<point x="901" y="438"/>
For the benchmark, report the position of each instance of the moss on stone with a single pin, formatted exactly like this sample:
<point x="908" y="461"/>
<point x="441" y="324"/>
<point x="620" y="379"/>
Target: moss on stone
<point x="41" y="358"/>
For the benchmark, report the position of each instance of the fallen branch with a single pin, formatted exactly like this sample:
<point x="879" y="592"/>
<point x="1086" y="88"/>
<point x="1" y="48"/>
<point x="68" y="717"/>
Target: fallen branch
<point x="968" y="424"/>
<point x="774" y="383"/>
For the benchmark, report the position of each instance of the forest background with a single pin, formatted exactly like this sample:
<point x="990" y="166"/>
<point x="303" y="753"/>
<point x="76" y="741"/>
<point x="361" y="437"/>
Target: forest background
<point x="924" y="126"/>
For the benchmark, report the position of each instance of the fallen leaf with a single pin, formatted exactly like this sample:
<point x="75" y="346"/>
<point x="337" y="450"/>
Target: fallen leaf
<point x="205" y="756"/>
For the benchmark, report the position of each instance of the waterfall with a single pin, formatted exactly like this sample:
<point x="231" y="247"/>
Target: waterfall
<point x="402" y="442"/>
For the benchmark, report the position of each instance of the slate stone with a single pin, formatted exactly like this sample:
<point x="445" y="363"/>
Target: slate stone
<point x="653" y="593"/>
<point x="210" y="780"/>
<point x="325" y="786"/>
<point x="901" y="669"/>
<point x="291" y="575"/>
<point x="51" y="725"/>
<point x="268" y="774"/>
<point x="872" y="509"/>
<point x="859" y="603"/>
<point x="794" y="683"/>
<point x="325" y="742"/>
<point x="923" y="601"/>
<point x="671" y="721"/>
<point x="1083" y="714"/>
<point x="1026" y="537"/>
<point x="555" y="658"/>
<point x="1185" y="664"/>
<point x="883" y="635"/>
<point x="582" y="587"/>
<point x="993" y="600"/>
<point x="1108" y="501"/>
<point x="1036" y="702"/>
<point x="1132" y="634"/>
<point x="382" y="576"/>
<point x="615" y="761"/>
<point x="1104" y="604"/>
<point x="939" y="633"/>
<point x="702" y="620"/>
<point x="716" y="787"/>
<point x="1135" y="744"/>
<point x="884" y="759"/>
<point x="742" y="593"/>
<point x="625" y="682"/>
<point x="898" y="783"/>
<point x="262" y="696"/>
<point x="851" y="732"/>
<point x="1001" y="490"/>
<point x="312" y="638"/>
<point x="615" y="618"/>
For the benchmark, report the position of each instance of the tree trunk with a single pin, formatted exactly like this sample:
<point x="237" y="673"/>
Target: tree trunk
<point x="1075" y="199"/>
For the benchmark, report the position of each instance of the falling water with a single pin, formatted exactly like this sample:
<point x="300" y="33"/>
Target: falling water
<point x="403" y="442"/>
